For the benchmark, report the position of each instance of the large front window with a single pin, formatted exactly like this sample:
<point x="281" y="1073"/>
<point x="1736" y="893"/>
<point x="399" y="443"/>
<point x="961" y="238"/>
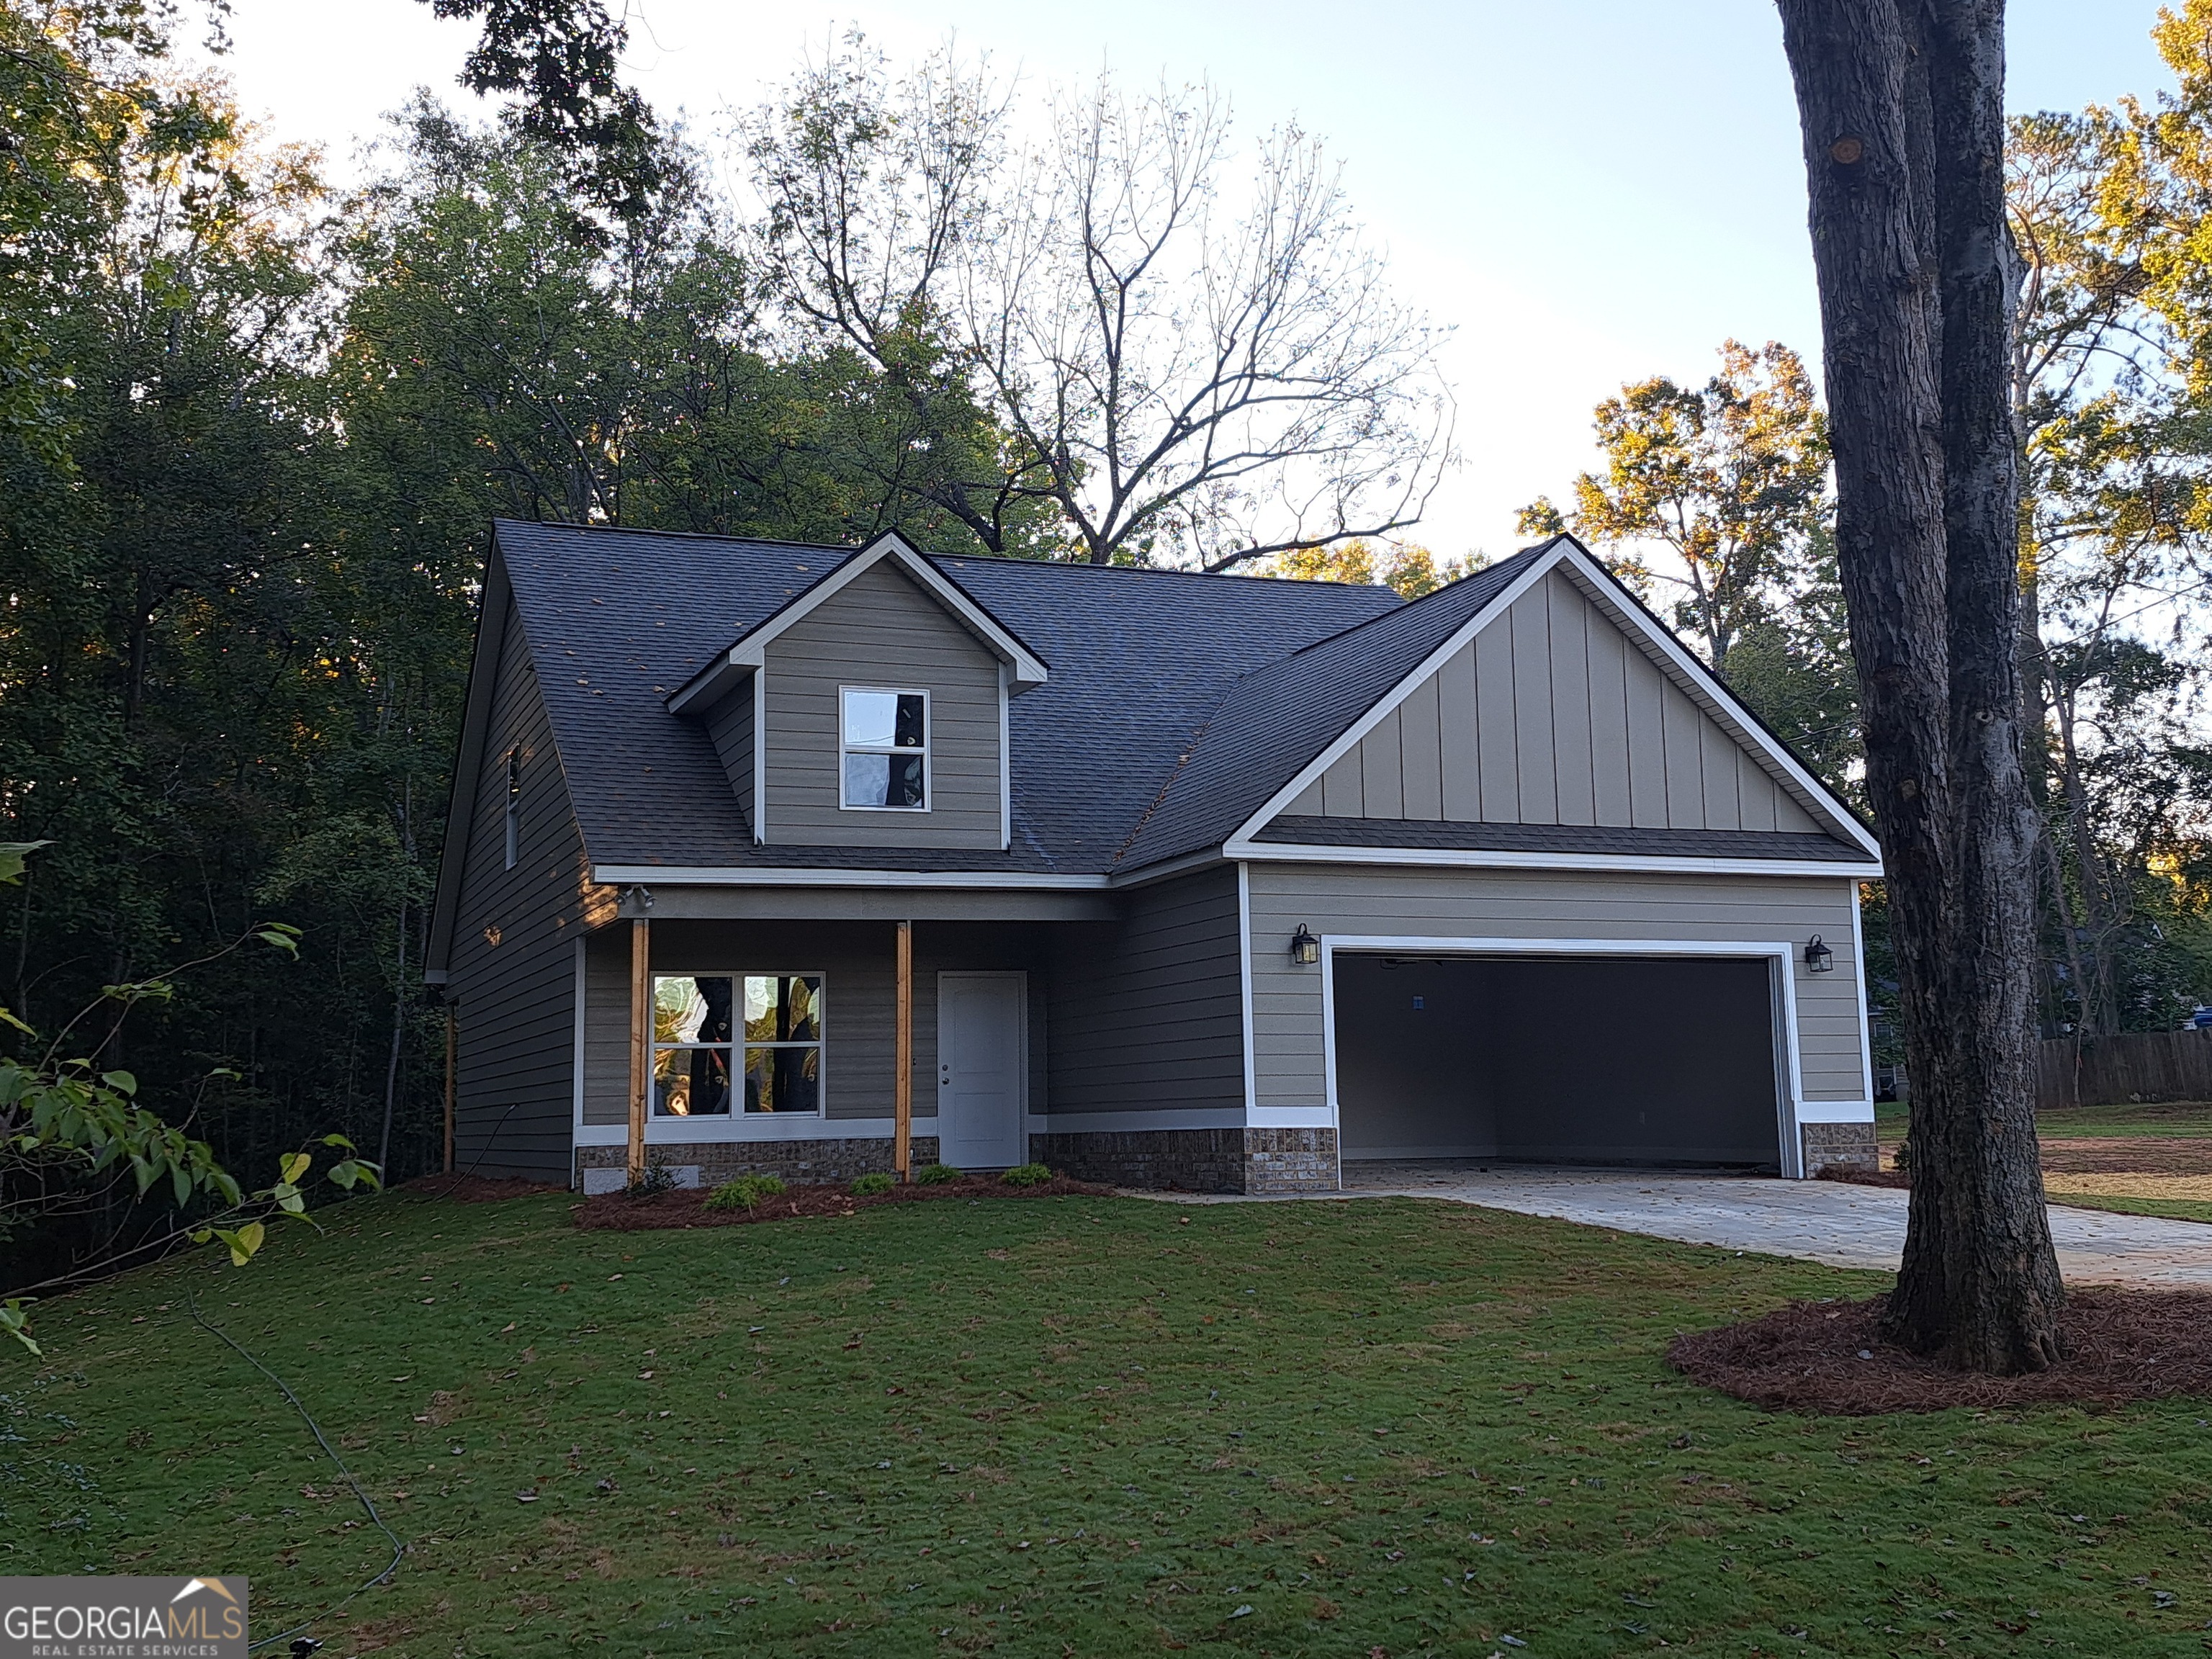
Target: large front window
<point x="885" y="749"/>
<point x="763" y="1029"/>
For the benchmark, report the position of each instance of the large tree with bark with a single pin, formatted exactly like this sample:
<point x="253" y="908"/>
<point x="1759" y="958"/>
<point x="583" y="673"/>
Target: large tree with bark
<point x="1903" y="114"/>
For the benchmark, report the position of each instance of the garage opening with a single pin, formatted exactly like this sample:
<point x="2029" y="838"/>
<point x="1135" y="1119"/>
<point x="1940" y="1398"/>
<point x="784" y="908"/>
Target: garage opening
<point x="1557" y="1059"/>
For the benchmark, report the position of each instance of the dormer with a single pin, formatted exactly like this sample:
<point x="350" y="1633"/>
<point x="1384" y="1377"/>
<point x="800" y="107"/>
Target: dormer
<point x="870" y="711"/>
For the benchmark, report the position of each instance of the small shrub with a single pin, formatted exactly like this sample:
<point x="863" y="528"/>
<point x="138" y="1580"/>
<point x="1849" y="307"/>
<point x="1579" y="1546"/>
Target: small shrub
<point x="936" y="1175"/>
<point x="1027" y="1175"/>
<point x="869" y="1185"/>
<point x="655" y="1177"/>
<point x="744" y="1192"/>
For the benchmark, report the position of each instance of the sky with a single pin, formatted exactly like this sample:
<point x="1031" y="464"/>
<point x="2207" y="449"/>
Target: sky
<point x="1586" y="191"/>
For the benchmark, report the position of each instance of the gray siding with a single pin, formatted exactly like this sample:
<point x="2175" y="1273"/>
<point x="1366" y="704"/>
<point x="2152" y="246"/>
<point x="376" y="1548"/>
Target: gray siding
<point x="515" y="1066"/>
<point x="1286" y="999"/>
<point x="1552" y="715"/>
<point x="859" y="998"/>
<point x="1148" y="1012"/>
<point x="730" y="728"/>
<point x="883" y="631"/>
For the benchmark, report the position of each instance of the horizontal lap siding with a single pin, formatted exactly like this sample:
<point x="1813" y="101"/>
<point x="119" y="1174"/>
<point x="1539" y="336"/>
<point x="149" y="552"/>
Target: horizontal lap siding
<point x="1552" y="716"/>
<point x="1286" y="999"/>
<point x="1148" y="1012"/>
<point x="881" y="631"/>
<point x="859" y="996"/>
<point x="514" y="1073"/>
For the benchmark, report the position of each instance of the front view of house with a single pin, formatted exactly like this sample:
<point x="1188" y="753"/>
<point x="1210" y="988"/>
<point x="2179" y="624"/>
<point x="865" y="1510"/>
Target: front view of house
<point x="1160" y="879"/>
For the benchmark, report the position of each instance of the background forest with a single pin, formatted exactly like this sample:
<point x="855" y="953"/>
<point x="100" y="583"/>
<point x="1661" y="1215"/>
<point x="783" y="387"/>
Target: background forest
<point x="253" y="430"/>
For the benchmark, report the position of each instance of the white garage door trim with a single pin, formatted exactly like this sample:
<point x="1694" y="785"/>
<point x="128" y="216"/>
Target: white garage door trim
<point x="1781" y="954"/>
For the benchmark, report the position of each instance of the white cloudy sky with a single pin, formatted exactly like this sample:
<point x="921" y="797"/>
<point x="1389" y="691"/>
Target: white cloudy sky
<point x="1589" y="190"/>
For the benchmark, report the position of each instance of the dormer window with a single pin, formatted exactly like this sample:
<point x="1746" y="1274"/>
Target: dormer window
<point x="886" y="741"/>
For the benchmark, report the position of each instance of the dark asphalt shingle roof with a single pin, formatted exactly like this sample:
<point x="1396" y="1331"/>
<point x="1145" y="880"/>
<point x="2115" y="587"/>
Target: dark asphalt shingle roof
<point x="1273" y="721"/>
<point x="617" y="620"/>
<point x="1176" y="704"/>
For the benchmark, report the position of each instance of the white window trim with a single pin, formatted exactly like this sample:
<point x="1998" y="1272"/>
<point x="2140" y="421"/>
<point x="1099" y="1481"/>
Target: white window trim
<point x="928" y="759"/>
<point x="737" y="1046"/>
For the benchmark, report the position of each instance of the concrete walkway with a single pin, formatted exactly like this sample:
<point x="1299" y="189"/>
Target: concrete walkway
<point x="1821" y="1220"/>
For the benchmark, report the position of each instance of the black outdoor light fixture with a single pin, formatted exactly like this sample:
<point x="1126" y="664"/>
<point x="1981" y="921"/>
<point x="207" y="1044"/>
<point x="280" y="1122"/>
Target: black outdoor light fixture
<point x="1819" y="958"/>
<point x="1305" y="949"/>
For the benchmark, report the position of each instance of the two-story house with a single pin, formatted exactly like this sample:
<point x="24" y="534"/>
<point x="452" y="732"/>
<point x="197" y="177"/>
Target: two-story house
<point x="766" y="856"/>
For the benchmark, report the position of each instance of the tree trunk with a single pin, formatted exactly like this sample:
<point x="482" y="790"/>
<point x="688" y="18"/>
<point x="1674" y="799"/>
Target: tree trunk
<point x="1901" y="102"/>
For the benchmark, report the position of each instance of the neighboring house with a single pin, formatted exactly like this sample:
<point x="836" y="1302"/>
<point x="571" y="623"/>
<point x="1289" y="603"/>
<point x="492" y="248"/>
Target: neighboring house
<point x="1204" y="880"/>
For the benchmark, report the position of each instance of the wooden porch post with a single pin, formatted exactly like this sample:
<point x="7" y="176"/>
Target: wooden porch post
<point x="453" y="1034"/>
<point x="641" y="1039"/>
<point x="902" y="1087"/>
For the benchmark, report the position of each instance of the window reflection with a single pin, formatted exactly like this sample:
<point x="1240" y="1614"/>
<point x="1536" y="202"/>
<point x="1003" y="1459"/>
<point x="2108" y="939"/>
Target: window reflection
<point x="695" y="1042"/>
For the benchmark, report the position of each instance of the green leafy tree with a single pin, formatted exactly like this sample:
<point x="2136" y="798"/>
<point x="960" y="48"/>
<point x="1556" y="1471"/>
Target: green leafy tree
<point x="1713" y="496"/>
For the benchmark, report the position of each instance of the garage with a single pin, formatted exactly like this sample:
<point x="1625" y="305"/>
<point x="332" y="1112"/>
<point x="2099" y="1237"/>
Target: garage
<point x="1556" y="1059"/>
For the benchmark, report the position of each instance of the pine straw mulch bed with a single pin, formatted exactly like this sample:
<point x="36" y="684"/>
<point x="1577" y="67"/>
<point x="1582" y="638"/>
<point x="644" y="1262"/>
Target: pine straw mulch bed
<point x="476" y="1189"/>
<point x="1828" y="1357"/>
<point x="686" y="1207"/>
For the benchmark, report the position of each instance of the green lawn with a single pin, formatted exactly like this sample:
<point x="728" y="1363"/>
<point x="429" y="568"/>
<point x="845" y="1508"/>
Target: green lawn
<point x="2186" y="1120"/>
<point x="1068" y="1426"/>
<point x="2174" y="1209"/>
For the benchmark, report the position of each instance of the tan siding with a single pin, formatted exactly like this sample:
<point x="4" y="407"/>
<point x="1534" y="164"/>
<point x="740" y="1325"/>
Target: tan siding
<point x="1536" y="766"/>
<point x="1342" y="899"/>
<point x="1421" y="739"/>
<point x="881" y="631"/>
<point x="514" y="1073"/>
<point x="1552" y="714"/>
<point x="1572" y="746"/>
<point x="1148" y="1012"/>
<point x="1463" y="769"/>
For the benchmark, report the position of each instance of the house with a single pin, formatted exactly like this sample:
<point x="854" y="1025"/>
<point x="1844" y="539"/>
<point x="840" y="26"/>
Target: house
<point x="809" y="860"/>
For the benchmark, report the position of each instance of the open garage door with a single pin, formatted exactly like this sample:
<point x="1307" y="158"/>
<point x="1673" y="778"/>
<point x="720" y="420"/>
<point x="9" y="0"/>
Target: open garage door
<point x="1557" y="1059"/>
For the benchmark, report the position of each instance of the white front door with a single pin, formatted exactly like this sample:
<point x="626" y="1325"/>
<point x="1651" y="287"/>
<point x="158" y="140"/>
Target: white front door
<point x="982" y="1104"/>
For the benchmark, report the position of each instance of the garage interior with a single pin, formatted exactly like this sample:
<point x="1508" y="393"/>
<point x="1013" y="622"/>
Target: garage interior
<point x="1659" y="1060"/>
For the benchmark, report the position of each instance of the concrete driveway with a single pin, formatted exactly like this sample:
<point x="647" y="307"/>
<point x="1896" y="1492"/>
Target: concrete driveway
<point x="1825" y="1221"/>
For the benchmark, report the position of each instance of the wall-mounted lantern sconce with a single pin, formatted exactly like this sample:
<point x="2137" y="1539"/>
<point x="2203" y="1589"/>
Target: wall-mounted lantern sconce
<point x="1819" y="958"/>
<point x="1305" y="949"/>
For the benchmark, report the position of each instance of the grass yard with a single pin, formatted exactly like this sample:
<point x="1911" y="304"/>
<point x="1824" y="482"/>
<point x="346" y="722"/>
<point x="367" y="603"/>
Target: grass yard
<point x="1066" y="1426"/>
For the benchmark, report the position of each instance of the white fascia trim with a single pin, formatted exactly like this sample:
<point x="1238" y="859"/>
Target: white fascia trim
<point x="1473" y="858"/>
<point x="1245" y="987"/>
<point x="1866" y="1025"/>
<point x="1835" y="1111"/>
<point x="1006" y="764"/>
<point x="669" y="875"/>
<point x="751" y="651"/>
<point x="760" y="756"/>
<point x="1598" y="585"/>
<point x="576" y="1055"/>
<point x="1397" y="694"/>
<point x="757" y="1127"/>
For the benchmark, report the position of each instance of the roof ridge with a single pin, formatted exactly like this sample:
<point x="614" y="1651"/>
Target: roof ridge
<point x="677" y="535"/>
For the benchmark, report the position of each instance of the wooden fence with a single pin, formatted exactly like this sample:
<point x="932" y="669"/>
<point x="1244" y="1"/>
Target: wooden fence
<point x="2114" y="1070"/>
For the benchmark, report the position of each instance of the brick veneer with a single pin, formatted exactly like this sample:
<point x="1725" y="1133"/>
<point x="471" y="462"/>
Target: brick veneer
<point x="1838" y="1147"/>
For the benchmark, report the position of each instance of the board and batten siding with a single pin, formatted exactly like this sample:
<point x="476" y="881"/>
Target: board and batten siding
<point x="1146" y="1013"/>
<point x="883" y="631"/>
<point x="1288" y="1063"/>
<point x="1551" y="714"/>
<point x="513" y="963"/>
<point x="858" y="999"/>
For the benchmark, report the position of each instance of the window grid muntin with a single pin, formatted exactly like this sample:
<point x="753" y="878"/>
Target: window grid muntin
<point x="846" y="748"/>
<point x="735" y="1045"/>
